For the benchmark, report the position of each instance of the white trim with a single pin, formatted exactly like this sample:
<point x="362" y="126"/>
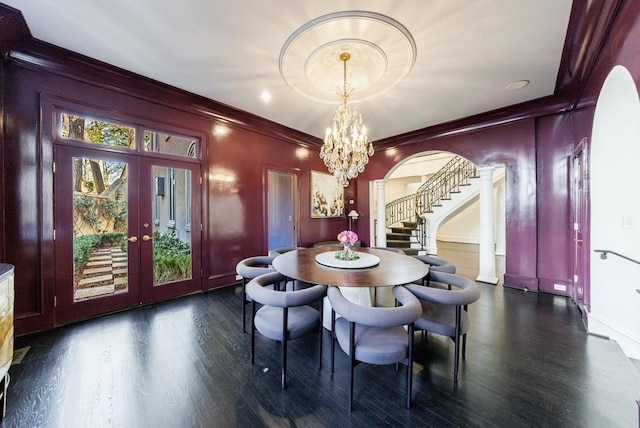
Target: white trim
<point x="458" y="239"/>
<point x="628" y="342"/>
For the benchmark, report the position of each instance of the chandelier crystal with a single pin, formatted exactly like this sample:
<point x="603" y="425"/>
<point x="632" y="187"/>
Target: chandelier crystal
<point x="346" y="149"/>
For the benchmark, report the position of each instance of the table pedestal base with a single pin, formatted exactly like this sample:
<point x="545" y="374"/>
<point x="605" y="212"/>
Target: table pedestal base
<point x="359" y="295"/>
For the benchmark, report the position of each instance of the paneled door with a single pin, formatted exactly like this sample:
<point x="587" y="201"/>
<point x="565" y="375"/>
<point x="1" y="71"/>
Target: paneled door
<point x="127" y="230"/>
<point x="281" y="209"/>
<point x="580" y="208"/>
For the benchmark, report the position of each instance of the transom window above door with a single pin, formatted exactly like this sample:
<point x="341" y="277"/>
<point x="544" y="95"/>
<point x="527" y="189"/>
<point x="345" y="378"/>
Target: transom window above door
<point x="75" y="127"/>
<point x="96" y="131"/>
<point x="170" y="144"/>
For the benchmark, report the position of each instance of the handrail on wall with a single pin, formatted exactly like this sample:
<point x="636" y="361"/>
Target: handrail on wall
<point x="605" y="252"/>
<point x="604" y="256"/>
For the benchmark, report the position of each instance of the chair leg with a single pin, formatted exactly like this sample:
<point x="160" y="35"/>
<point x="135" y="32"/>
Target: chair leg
<point x="244" y="303"/>
<point x="333" y="339"/>
<point x="456" y="341"/>
<point x="320" y="333"/>
<point x="253" y="329"/>
<point x="464" y="338"/>
<point x="285" y="337"/>
<point x="410" y="366"/>
<point x="352" y="363"/>
<point x="464" y="346"/>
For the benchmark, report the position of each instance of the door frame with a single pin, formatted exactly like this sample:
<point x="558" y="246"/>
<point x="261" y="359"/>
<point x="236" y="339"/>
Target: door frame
<point x="581" y="226"/>
<point x="295" y="172"/>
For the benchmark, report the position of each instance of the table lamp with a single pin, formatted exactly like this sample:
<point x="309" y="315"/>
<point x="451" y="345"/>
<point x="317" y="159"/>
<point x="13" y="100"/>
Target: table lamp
<point x="353" y="215"/>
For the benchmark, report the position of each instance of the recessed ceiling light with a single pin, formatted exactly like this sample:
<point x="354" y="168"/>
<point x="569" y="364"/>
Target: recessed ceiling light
<point x="265" y="96"/>
<point x="518" y="84"/>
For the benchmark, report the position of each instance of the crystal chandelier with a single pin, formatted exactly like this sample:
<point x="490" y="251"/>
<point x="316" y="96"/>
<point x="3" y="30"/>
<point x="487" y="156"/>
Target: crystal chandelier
<point x="346" y="149"/>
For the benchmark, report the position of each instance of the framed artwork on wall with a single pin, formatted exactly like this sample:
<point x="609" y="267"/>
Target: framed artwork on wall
<point x="327" y="196"/>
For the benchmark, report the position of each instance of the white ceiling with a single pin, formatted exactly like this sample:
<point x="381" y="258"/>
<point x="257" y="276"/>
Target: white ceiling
<point x="415" y="63"/>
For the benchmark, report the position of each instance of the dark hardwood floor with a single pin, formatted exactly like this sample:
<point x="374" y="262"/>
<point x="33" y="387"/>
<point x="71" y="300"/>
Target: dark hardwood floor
<point x="185" y="363"/>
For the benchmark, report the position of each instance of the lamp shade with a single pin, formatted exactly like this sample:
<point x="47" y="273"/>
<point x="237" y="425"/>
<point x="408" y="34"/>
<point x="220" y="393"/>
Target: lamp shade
<point x="353" y="214"/>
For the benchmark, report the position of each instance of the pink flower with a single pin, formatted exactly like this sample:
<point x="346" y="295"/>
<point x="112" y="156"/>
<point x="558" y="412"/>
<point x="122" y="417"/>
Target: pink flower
<point x="347" y="236"/>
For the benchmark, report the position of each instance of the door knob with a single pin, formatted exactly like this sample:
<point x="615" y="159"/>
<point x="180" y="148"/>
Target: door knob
<point x="146" y="238"/>
<point x="132" y="239"/>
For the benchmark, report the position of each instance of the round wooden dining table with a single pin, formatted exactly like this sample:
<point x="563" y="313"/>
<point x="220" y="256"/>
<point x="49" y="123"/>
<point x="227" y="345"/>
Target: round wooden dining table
<point x="392" y="269"/>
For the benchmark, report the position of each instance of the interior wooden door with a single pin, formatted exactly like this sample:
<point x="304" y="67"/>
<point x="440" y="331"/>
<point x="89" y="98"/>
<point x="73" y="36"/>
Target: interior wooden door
<point x="281" y="209"/>
<point x="580" y="209"/>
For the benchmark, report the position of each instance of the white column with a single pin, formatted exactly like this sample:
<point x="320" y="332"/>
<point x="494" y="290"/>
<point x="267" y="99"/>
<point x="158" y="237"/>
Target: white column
<point x="501" y="221"/>
<point x="381" y="228"/>
<point x="487" y="256"/>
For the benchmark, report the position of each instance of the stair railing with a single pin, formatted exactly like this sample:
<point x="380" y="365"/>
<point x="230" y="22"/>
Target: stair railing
<point x="401" y="209"/>
<point x="439" y="187"/>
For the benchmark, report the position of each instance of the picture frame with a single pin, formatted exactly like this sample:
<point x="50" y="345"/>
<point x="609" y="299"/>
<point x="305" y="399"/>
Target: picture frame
<point x="327" y="196"/>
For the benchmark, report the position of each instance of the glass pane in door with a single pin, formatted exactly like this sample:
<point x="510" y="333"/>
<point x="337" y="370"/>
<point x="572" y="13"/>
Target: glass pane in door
<point x="171" y="201"/>
<point x="100" y="192"/>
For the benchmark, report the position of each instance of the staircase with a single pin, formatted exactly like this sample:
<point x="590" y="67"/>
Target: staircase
<point x="400" y="237"/>
<point x="412" y="211"/>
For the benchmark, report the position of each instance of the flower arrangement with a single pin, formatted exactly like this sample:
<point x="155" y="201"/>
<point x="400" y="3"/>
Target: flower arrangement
<point x="347" y="238"/>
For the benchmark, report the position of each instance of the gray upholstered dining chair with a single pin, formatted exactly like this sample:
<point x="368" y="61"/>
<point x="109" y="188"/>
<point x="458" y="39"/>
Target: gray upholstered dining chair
<point x="374" y="335"/>
<point x="295" y="284"/>
<point x="444" y="311"/>
<point x="285" y="315"/>
<point x="436" y="264"/>
<point x="248" y="269"/>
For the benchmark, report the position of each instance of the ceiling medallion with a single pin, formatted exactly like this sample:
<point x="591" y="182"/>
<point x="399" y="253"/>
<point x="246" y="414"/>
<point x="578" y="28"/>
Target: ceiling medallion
<point x="382" y="51"/>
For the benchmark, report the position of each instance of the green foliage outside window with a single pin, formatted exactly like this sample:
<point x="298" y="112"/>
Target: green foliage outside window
<point x="83" y="245"/>
<point x="171" y="258"/>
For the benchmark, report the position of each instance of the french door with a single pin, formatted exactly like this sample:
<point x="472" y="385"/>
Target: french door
<point x="127" y="230"/>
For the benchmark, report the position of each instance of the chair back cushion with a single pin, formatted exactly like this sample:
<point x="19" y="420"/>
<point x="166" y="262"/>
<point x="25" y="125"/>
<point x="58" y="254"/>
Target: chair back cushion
<point x="464" y="291"/>
<point x="258" y="291"/>
<point x="252" y="267"/>
<point x="407" y="313"/>
<point x="437" y="264"/>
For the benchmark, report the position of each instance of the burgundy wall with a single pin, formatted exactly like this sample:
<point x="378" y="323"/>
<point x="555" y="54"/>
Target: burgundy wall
<point x="555" y="143"/>
<point x="510" y="145"/>
<point x="236" y="205"/>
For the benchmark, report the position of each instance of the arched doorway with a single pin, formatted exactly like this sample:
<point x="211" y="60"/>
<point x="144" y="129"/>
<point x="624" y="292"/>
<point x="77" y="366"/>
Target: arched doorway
<point x="615" y="213"/>
<point x="455" y="220"/>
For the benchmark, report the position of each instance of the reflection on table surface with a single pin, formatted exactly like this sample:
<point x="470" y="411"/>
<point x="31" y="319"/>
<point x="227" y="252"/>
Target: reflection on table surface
<point x="393" y="269"/>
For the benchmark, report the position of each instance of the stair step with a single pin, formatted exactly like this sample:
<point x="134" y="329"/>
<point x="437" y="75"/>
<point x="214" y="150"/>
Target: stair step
<point x="402" y="230"/>
<point x="398" y="237"/>
<point x="398" y="244"/>
<point x="410" y="224"/>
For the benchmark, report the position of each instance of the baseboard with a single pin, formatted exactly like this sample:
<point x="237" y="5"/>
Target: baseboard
<point x="628" y="342"/>
<point x="521" y="282"/>
<point x="459" y="239"/>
